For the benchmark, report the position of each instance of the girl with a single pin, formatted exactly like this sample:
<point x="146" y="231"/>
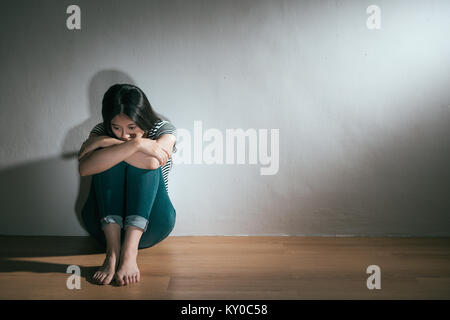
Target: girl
<point x="129" y="158"/>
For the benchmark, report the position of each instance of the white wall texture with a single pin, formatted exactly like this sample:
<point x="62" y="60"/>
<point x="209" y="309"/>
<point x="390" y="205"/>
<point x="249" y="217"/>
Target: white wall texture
<point x="363" y="115"/>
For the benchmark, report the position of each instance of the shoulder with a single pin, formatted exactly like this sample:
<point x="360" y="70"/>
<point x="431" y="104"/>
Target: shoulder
<point x="98" y="129"/>
<point x="161" y="127"/>
<point x="158" y="124"/>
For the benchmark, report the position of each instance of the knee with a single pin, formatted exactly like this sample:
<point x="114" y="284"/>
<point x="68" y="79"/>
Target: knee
<point x="150" y="164"/>
<point x="154" y="164"/>
<point x="119" y="167"/>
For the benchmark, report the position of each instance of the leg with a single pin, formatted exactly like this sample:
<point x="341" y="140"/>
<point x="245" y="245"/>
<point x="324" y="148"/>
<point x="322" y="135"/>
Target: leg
<point x="144" y="189"/>
<point x="128" y="271"/>
<point x="148" y="205"/>
<point x="109" y="187"/>
<point x="91" y="218"/>
<point x="162" y="218"/>
<point x="141" y="191"/>
<point x="105" y="274"/>
<point x="108" y="190"/>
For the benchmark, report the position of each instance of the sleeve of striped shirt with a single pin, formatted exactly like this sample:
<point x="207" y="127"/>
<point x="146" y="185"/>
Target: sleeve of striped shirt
<point x="167" y="127"/>
<point x="98" y="129"/>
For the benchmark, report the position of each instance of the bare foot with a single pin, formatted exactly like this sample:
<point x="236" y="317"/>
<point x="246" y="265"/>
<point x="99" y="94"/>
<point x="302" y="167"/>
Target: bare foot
<point x="105" y="274"/>
<point x="128" y="271"/>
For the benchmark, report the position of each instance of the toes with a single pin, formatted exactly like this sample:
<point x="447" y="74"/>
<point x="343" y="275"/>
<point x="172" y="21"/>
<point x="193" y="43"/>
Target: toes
<point x="102" y="278"/>
<point x="134" y="278"/>
<point x="124" y="280"/>
<point x="120" y="281"/>
<point x="108" y="279"/>
<point x="96" y="277"/>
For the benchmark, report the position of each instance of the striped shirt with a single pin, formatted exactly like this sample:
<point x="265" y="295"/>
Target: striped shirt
<point x="160" y="127"/>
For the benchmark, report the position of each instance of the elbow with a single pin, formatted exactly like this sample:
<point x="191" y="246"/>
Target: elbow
<point x="82" y="174"/>
<point x="154" y="164"/>
<point x="82" y="170"/>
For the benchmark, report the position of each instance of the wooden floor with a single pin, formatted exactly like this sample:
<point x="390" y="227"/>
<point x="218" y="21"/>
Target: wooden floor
<point x="228" y="268"/>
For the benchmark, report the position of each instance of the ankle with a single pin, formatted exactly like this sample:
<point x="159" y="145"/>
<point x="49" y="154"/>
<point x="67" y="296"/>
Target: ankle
<point x="113" y="253"/>
<point x="128" y="254"/>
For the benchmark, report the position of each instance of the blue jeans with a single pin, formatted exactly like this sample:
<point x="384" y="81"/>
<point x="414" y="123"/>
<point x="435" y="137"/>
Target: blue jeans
<point x="129" y="196"/>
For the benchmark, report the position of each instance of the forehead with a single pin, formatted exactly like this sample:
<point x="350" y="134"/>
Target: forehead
<point x="121" y="120"/>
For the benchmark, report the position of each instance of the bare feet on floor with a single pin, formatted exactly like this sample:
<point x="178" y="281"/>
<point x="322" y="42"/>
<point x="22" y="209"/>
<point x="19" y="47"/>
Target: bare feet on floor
<point x="105" y="274"/>
<point x="128" y="271"/>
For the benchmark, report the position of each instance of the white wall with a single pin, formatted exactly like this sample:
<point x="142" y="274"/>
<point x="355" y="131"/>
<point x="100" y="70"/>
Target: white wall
<point x="363" y="115"/>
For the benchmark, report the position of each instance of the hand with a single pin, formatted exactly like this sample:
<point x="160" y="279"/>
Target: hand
<point x="152" y="148"/>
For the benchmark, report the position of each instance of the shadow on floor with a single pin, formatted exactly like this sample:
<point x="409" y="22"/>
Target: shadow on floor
<point x="15" y="251"/>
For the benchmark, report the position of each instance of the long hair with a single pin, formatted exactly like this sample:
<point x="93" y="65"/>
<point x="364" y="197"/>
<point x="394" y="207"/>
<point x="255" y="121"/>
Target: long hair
<point x="129" y="100"/>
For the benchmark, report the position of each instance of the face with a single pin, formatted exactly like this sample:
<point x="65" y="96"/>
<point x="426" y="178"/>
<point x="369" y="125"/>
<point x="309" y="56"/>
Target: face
<point x="124" y="128"/>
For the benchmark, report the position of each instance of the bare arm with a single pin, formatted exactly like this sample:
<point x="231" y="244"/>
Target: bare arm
<point x="140" y="158"/>
<point x="167" y="141"/>
<point x="143" y="160"/>
<point x="94" y="142"/>
<point x="98" y="161"/>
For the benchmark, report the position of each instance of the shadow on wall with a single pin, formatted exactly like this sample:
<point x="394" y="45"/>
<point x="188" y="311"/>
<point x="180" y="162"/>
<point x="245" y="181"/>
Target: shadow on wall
<point x="32" y="182"/>
<point x="97" y="88"/>
<point x="42" y="195"/>
<point x="100" y="82"/>
<point x="394" y="181"/>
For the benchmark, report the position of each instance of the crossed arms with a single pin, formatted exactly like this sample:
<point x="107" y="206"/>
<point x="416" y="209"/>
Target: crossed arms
<point x="99" y="153"/>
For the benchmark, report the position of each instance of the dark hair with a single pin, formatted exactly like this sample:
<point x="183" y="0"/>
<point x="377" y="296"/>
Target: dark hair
<point x="131" y="101"/>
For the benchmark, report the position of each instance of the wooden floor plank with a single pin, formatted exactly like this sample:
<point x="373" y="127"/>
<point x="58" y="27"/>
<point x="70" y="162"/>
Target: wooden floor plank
<point x="216" y="267"/>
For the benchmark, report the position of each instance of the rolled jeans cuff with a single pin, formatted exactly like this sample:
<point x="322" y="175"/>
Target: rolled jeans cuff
<point x="112" y="219"/>
<point x="137" y="221"/>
